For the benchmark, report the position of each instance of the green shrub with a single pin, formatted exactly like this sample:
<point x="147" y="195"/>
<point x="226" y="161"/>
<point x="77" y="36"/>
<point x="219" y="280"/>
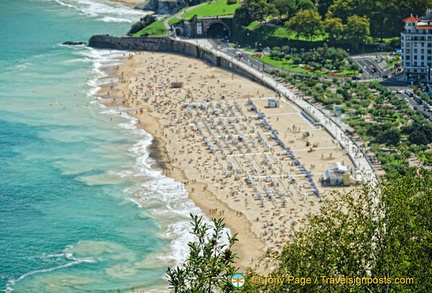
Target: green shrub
<point x="142" y="23"/>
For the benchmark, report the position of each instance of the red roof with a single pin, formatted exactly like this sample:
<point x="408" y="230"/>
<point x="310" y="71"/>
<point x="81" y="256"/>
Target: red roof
<point x="411" y="19"/>
<point x="424" y="27"/>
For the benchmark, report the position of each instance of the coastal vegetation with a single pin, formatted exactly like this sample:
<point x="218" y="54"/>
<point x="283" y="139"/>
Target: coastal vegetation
<point x="373" y="239"/>
<point x="210" y="264"/>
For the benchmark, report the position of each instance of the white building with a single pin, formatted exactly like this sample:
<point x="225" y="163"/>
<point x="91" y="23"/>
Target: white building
<point x="416" y="43"/>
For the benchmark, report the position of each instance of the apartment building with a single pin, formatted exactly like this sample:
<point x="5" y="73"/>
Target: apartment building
<point x="416" y="43"/>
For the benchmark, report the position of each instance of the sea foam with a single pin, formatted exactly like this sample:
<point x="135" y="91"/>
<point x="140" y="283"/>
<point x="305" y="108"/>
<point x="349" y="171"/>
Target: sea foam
<point x="164" y="198"/>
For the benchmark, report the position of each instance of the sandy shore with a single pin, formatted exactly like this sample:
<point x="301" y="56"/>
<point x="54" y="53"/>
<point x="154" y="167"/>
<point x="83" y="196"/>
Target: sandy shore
<point x="130" y="3"/>
<point x="206" y="136"/>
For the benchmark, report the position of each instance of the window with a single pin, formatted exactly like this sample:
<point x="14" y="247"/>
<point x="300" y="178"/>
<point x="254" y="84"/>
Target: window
<point x="429" y="51"/>
<point x="407" y="57"/>
<point x="429" y="58"/>
<point x="429" y="45"/>
<point x="407" y="64"/>
<point x="422" y="57"/>
<point x="415" y="57"/>
<point x="415" y="51"/>
<point x="422" y="51"/>
<point x="415" y="64"/>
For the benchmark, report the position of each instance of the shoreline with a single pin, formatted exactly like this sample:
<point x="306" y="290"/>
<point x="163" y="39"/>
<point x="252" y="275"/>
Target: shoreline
<point x="131" y="3"/>
<point x="163" y="162"/>
<point x="145" y="87"/>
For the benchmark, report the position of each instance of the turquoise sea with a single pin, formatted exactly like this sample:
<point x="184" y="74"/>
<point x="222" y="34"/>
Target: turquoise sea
<point x="71" y="170"/>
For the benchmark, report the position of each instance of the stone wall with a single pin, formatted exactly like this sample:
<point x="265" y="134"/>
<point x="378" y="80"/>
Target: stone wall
<point x="165" y="44"/>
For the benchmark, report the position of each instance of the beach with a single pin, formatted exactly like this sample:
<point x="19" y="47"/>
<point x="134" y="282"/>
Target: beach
<point x="211" y="131"/>
<point x="130" y="3"/>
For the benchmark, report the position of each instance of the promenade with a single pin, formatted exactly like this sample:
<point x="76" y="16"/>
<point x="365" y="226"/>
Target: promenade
<point x="334" y="127"/>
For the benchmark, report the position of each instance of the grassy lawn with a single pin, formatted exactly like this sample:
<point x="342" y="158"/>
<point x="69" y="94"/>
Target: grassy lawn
<point x="287" y="65"/>
<point x="156" y="29"/>
<point x="174" y="20"/>
<point x="253" y="25"/>
<point x="212" y="9"/>
<point x="281" y="32"/>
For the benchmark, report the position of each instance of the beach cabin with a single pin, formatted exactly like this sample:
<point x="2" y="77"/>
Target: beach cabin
<point x="337" y="175"/>
<point x="272" y="103"/>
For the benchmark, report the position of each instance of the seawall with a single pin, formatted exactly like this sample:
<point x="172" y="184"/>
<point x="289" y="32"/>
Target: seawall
<point x="165" y="44"/>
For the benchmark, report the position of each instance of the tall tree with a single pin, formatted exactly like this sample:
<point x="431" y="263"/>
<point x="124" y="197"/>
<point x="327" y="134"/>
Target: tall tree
<point x="323" y="6"/>
<point x="334" y="28"/>
<point x="357" y="30"/>
<point x="305" y="5"/>
<point x="306" y="23"/>
<point x="286" y="8"/>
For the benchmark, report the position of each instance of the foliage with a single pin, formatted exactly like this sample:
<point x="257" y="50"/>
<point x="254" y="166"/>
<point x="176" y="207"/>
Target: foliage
<point x="305" y="5"/>
<point x="357" y="30"/>
<point x="323" y="6"/>
<point x="306" y="23"/>
<point x="142" y="23"/>
<point x="286" y="8"/>
<point x="210" y="263"/>
<point x="334" y="27"/>
<point x="385" y="15"/>
<point x="384" y="234"/>
<point x="253" y="10"/>
<point x="420" y="132"/>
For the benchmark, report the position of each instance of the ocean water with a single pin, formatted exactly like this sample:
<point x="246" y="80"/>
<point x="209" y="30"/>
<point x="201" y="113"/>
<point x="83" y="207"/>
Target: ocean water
<point x="72" y="170"/>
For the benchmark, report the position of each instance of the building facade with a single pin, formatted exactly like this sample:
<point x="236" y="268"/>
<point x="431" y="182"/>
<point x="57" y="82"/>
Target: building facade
<point x="416" y="44"/>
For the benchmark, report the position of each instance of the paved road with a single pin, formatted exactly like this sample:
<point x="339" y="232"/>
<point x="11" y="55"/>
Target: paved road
<point x="335" y="127"/>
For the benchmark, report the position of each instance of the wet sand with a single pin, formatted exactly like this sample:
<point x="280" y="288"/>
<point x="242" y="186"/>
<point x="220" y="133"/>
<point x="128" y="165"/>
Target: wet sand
<point x="207" y="136"/>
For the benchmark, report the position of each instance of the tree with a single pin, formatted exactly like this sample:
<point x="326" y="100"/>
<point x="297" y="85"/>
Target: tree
<point x="420" y="132"/>
<point x="341" y="9"/>
<point x="258" y="9"/>
<point x="323" y="6"/>
<point x="390" y="136"/>
<point x="306" y="23"/>
<point x="364" y="234"/>
<point x="334" y="28"/>
<point x="286" y="8"/>
<point x="357" y="30"/>
<point x="242" y="16"/>
<point x="305" y="5"/>
<point x="210" y="263"/>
